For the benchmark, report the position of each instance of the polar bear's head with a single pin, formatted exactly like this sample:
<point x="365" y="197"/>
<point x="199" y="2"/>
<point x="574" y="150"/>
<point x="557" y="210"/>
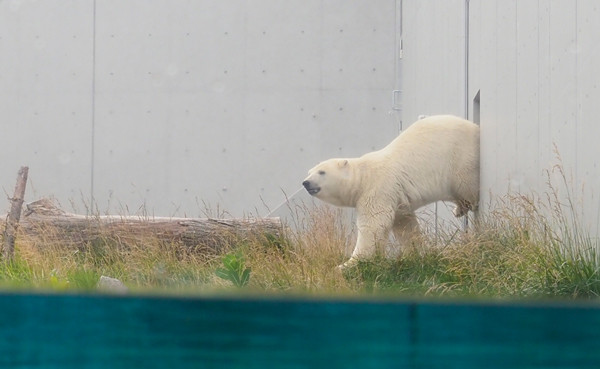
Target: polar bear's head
<point x="330" y="181"/>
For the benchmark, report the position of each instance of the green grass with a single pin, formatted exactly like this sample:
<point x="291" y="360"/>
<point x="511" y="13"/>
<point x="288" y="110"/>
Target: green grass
<point x="526" y="247"/>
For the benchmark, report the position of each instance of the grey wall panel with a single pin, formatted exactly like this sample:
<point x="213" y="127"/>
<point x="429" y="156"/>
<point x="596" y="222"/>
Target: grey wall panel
<point x="355" y="122"/>
<point x="529" y="173"/>
<point x="45" y="96"/>
<point x="506" y="99"/>
<point x="187" y="103"/>
<point x="538" y="98"/>
<point x="281" y="49"/>
<point x="168" y="107"/>
<point x="588" y="96"/>
<point x="545" y="113"/>
<point x="563" y="82"/>
<point x="434" y="76"/>
<point x="358" y="45"/>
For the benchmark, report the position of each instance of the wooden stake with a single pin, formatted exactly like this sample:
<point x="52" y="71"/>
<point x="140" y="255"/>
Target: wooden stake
<point x="12" y="221"/>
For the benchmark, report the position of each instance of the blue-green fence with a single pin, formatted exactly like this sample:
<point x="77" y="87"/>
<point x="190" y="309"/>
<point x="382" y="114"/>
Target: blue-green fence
<point x="71" y="331"/>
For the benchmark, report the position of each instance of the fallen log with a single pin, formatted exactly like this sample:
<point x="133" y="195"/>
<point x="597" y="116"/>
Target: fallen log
<point x="43" y="218"/>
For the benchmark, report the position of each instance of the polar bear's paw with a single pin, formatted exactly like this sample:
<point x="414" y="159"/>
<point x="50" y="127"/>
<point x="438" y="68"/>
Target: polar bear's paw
<point x="351" y="263"/>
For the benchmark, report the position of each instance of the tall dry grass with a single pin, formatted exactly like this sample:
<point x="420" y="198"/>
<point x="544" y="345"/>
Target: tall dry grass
<point x="521" y="247"/>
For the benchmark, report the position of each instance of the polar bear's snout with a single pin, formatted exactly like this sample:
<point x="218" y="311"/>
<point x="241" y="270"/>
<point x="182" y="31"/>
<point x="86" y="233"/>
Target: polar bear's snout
<point x="311" y="188"/>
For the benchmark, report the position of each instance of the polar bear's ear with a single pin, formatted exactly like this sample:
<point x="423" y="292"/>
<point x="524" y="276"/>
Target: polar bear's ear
<point x="342" y="163"/>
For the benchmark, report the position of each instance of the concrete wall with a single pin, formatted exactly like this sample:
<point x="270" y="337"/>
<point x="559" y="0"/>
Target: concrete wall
<point x="536" y="64"/>
<point x="535" y="67"/>
<point x="433" y="58"/>
<point x="166" y="107"/>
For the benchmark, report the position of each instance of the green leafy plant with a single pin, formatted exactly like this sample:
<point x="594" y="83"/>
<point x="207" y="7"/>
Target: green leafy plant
<point x="234" y="269"/>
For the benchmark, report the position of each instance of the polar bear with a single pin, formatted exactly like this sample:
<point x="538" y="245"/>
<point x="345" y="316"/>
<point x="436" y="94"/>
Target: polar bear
<point x="435" y="159"/>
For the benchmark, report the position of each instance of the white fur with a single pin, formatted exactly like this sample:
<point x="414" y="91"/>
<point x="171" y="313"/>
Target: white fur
<point x="435" y="159"/>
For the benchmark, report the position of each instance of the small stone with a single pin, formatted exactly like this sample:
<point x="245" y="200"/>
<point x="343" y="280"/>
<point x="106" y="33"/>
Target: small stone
<point x="108" y="284"/>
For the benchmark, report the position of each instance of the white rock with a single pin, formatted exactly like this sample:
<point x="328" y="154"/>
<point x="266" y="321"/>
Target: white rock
<point x="109" y="284"/>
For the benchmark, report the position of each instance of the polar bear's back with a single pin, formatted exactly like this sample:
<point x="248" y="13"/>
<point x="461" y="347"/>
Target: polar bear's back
<point x="436" y="135"/>
<point x="447" y="129"/>
<point x="439" y="155"/>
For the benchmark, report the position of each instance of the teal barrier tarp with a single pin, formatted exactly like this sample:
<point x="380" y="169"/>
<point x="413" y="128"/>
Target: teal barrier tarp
<point x="57" y="331"/>
<point x="492" y="336"/>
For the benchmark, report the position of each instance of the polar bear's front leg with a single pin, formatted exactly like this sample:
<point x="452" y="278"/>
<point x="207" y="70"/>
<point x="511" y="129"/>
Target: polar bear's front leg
<point x="373" y="230"/>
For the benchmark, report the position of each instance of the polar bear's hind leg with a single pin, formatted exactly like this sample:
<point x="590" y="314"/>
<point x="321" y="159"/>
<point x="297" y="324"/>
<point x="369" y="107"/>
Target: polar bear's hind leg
<point x="406" y="229"/>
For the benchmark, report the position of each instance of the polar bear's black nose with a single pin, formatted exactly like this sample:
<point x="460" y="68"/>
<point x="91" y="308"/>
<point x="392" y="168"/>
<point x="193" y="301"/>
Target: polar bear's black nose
<point x="313" y="190"/>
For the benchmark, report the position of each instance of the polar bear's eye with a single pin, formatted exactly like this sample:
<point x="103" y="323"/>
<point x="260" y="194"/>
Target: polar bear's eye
<point x="321" y="172"/>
